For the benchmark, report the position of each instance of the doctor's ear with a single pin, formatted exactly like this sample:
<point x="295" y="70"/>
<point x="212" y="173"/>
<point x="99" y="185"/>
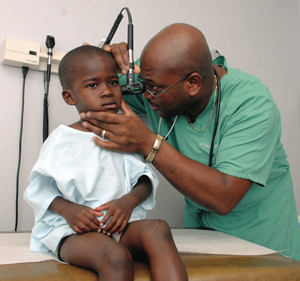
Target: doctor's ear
<point x="68" y="96"/>
<point x="195" y="82"/>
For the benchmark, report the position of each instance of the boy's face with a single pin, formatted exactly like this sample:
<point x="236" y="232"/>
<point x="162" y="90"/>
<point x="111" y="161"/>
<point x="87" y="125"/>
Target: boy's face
<point x="96" y="85"/>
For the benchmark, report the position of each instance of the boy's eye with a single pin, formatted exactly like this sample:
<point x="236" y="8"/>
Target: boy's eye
<point x="92" y="85"/>
<point x="114" y="82"/>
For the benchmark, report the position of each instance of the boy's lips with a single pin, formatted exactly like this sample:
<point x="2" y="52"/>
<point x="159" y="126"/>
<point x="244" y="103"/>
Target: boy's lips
<point x="109" y="105"/>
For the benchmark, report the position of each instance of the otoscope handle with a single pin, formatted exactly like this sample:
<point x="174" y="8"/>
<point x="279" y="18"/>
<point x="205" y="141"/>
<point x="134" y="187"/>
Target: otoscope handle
<point x="130" y="36"/>
<point x="49" y="65"/>
<point x="45" y="118"/>
<point x="130" y="74"/>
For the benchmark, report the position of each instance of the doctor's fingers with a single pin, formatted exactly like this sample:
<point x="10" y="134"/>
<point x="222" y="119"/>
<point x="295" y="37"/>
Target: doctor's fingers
<point x="100" y="118"/>
<point x="118" y="124"/>
<point x="91" y="120"/>
<point x="97" y="122"/>
<point x="120" y="54"/>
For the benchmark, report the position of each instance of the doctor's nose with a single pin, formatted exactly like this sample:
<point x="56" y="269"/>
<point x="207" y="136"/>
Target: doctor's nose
<point x="148" y="96"/>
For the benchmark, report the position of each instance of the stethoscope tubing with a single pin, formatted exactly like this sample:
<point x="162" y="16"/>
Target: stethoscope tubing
<point x="216" y="119"/>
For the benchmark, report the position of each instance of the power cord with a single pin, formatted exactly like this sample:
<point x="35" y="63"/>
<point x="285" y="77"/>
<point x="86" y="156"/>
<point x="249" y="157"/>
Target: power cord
<point x="24" y="71"/>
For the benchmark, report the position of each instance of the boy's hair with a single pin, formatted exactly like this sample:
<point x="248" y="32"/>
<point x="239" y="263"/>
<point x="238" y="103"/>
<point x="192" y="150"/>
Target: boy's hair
<point x="69" y="62"/>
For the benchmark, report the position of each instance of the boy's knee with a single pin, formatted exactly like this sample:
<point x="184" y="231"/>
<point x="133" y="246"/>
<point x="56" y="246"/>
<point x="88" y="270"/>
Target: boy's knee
<point x="157" y="228"/>
<point x="116" y="257"/>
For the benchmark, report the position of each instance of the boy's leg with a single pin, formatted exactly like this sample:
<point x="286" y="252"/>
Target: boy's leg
<point x="100" y="253"/>
<point x="154" y="238"/>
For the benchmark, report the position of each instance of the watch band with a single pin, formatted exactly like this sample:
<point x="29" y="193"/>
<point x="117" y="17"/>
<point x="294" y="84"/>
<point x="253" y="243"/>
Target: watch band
<point x="155" y="148"/>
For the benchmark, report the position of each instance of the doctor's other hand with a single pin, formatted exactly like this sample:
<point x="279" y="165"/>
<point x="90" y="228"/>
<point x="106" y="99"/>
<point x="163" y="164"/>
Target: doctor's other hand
<point x="126" y="132"/>
<point x="121" y="56"/>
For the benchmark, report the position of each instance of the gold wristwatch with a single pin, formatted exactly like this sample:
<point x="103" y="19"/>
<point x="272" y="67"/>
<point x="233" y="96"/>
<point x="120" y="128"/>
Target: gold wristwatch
<point x="155" y="148"/>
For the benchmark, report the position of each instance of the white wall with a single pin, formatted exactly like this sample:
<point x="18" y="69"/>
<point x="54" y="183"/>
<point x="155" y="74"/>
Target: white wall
<point x="259" y="37"/>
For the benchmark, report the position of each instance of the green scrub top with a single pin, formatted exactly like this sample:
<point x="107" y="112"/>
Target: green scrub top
<point x="247" y="145"/>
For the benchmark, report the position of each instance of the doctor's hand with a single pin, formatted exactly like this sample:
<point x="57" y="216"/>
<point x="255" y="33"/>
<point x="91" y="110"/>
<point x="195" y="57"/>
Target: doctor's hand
<point x="126" y="132"/>
<point x="121" y="56"/>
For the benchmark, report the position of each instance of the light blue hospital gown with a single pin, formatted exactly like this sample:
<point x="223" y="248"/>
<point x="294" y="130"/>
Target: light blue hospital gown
<point x="70" y="165"/>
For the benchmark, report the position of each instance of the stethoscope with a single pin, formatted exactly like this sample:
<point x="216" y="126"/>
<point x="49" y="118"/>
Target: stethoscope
<point x="216" y="120"/>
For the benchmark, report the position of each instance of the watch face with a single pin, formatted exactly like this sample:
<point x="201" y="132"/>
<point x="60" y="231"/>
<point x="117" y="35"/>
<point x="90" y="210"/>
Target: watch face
<point x="154" y="149"/>
<point x="157" y="142"/>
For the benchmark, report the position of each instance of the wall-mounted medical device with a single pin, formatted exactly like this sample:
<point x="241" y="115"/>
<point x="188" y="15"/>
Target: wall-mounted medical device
<point x="16" y="52"/>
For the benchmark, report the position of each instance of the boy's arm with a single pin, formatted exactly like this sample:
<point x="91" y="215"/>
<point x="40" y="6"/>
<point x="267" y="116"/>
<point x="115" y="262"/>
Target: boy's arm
<point x="120" y="210"/>
<point x="140" y="192"/>
<point x="80" y="218"/>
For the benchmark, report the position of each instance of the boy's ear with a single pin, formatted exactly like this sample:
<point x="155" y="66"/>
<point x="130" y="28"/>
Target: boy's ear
<point x="68" y="96"/>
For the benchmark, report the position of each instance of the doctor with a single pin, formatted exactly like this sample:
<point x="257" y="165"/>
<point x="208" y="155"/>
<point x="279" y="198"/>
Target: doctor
<point x="247" y="192"/>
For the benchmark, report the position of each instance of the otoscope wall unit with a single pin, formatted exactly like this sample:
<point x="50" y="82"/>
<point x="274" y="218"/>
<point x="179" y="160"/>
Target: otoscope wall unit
<point x="16" y="52"/>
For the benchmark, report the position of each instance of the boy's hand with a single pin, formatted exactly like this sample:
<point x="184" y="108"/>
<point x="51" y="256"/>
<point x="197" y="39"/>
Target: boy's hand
<point x="119" y="211"/>
<point x="81" y="218"/>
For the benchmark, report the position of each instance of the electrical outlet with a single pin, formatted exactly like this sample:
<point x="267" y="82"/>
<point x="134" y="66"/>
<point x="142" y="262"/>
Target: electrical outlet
<point x="18" y="53"/>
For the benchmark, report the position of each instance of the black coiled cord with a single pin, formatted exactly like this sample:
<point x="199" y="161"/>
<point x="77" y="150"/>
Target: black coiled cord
<point x="116" y="25"/>
<point x="113" y="29"/>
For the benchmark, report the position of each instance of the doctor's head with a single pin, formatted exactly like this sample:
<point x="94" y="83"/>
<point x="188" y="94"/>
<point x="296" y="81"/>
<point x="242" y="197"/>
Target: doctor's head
<point x="89" y="80"/>
<point x="176" y="66"/>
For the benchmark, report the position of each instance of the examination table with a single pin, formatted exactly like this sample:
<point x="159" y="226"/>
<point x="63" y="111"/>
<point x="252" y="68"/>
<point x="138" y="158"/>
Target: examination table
<point x="207" y="255"/>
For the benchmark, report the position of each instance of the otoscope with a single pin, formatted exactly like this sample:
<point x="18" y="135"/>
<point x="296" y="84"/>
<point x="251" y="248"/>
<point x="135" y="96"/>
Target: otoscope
<point x="131" y="87"/>
<point x="50" y="43"/>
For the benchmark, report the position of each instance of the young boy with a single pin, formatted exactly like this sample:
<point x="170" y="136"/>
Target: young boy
<point x="74" y="183"/>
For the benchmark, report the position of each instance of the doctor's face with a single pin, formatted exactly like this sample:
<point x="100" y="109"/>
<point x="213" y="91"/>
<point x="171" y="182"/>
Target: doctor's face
<point x="166" y="92"/>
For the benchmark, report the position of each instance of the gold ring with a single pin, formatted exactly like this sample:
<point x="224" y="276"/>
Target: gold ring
<point x="103" y="133"/>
